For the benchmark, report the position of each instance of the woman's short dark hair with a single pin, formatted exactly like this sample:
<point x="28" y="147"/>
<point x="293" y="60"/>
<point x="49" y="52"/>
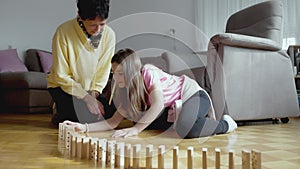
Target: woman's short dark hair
<point x="90" y="9"/>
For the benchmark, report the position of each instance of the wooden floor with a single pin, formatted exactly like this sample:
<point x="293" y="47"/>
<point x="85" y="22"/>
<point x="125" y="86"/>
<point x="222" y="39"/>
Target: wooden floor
<point x="27" y="142"/>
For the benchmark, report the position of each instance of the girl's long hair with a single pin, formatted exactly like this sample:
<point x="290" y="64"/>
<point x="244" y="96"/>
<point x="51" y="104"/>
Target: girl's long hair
<point x="133" y="99"/>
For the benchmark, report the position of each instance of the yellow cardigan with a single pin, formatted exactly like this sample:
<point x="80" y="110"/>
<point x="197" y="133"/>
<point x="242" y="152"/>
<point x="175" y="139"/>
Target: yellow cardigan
<point x="77" y="66"/>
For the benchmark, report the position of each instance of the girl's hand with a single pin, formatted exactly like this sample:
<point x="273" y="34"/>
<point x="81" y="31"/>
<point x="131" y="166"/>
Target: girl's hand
<point x="132" y="131"/>
<point x="77" y="126"/>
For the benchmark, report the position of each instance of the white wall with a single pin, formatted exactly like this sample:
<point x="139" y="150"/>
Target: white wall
<point x="144" y="24"/>
<point x="31" y="23"/>
<point x="180" y="8"/>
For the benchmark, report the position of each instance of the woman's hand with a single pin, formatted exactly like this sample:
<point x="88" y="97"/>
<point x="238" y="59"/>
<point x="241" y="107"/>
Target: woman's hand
<point x="127" y="132"/>
<point x="77" y="126"/>
<point x="94" y="106"/>
<point x="95" y="94"/>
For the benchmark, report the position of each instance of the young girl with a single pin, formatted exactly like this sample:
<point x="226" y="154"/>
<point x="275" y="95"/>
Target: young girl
<point x="141" y="93"/>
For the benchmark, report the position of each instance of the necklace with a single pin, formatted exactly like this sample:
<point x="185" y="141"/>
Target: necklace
<point x="94" y="40"/>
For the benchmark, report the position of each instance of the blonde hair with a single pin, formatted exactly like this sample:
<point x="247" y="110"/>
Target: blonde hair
<point x="136" y="92"/>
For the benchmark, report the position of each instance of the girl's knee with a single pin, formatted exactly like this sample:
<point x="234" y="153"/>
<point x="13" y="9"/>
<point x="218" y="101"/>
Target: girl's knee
<point x="188" y="135"/>
<point x="184" y="132"/>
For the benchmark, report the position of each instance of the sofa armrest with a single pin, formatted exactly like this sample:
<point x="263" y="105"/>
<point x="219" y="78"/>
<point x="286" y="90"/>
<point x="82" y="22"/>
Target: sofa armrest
<point x="20" y="80"/>
<point x="245" y="41"/>
<point x="157" y="61"/>
<point x="192" y="66"/>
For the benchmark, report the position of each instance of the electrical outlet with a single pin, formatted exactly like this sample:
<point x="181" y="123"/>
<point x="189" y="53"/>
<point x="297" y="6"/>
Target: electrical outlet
<point x="172" y="31"/>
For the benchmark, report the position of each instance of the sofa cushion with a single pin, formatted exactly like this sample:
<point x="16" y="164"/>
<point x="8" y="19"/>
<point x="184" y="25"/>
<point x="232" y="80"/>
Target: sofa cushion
<point x="32" y="60"/>
<point x="10" y="61"/>
<point x="46" y="60"/>
<point x="23" y="80"/>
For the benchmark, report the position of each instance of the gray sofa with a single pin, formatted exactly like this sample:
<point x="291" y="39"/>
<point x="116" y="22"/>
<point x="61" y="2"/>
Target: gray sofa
<point x="250" y="76"/>
<point x="175" y="65"/>
<point x="25" y="92"/>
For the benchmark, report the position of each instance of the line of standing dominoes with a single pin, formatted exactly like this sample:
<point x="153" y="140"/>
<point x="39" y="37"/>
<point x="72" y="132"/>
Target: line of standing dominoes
<point x="113" y="154"/>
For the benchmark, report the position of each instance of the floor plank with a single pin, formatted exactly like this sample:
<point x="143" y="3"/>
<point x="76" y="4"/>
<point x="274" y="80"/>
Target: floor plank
<point x="27" y="142"/>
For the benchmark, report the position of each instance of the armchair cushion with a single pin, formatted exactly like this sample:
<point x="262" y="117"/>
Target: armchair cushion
<point x="10" y="61"/>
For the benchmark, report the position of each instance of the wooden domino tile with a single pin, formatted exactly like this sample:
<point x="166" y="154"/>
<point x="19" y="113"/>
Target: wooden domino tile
<point x="79" y="146"/>
<point x="190" y="157"/>
<point x="85" y="142"/>
<point x="246" y="159"/>
<point x="175" y="157"/>
<point x="110" y="153"/>
<point x="127" y="152"/>
<point x="204" y="158"/>
<point x="102" y="150"/>
<point x="149" y="154"/>
<point x="231" y="159"/>
<point x="256" y="159"/>
<point x="218" y="158"/>
<point x="161" y="156"/>
<point x="119" y="155"/>
<point x="136" y="154"/>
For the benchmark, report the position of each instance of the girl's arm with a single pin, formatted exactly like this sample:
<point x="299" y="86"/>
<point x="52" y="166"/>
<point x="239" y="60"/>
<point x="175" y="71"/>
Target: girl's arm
<point x="103" y="125"/>
<point x="107" y="124"/>
<point x="157" y="105"/>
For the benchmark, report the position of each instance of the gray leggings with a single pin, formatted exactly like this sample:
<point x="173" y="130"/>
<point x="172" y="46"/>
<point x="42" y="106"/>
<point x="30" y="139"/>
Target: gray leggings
<point x="193" y="122"/>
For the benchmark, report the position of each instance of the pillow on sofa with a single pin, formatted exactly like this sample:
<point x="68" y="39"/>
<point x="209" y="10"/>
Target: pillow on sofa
<point x="46" y="60"/>
<point x="10" y="61"/>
